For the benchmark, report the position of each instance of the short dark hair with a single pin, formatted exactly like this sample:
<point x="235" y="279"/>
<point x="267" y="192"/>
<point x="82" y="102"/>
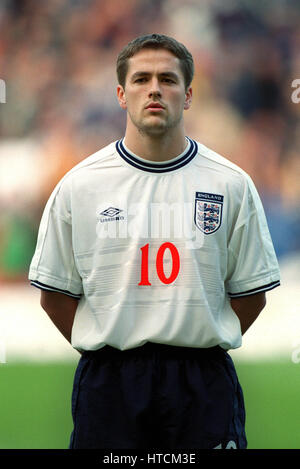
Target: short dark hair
<point x="156" y="41"/>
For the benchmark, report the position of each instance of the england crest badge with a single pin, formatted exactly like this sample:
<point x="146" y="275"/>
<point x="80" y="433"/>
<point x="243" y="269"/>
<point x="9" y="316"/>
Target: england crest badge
<point x="208" y="211"/>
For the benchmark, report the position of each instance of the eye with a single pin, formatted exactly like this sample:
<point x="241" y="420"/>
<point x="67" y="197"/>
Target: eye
<point x="168" y="80"/>
<point x="140" y="80"/>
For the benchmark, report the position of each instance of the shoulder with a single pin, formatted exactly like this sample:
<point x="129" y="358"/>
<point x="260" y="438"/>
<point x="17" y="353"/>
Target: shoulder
<point x="78" y="177"/>
<point x="223" y="169"/>
<point x="215" y="160"/>
<point x="96" y="160"/>
<point x="82" y="170"/>
<point x="237" y="183"/>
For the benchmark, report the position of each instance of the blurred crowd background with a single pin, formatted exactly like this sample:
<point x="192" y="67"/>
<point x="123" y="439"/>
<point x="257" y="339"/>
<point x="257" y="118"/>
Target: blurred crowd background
<point x="57" y="59"/>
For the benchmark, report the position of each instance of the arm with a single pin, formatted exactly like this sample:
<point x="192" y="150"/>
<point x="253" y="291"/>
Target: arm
<point x="247" y="308"/>
<point x="61" y="310"/>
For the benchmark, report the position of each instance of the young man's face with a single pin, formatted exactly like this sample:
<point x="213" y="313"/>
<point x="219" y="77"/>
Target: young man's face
<point x="154" y="94"/>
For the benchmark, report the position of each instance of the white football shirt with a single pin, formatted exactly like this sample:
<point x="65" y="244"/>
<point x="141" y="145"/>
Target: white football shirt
<point x="154" y="251"/>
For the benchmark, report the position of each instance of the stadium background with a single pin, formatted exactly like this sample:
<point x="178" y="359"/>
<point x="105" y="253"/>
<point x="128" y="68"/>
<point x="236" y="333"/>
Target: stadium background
<point x="57" y="59"/>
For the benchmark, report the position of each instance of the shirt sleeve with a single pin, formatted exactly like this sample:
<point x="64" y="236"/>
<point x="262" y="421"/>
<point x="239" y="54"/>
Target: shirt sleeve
<point x="53" y="266"/>
<point x="252" y="263"/>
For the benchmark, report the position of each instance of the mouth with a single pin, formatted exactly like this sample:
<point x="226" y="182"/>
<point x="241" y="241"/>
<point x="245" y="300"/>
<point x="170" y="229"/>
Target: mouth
<point x="155" y="107"/>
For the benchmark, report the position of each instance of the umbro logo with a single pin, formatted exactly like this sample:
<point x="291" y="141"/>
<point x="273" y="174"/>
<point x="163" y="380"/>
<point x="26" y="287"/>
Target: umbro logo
<point x="111" y="214"/>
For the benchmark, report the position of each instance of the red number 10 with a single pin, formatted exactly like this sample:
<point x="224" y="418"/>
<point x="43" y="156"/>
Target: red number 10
<point x="160" y="264"/>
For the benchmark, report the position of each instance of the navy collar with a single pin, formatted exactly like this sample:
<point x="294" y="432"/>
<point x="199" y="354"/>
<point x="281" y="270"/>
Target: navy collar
<point x="154" y="167"/>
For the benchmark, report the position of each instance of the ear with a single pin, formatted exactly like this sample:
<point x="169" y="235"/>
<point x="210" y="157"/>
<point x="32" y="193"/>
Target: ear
<point x="188" y="98"/>
<point x="121" y="96"/>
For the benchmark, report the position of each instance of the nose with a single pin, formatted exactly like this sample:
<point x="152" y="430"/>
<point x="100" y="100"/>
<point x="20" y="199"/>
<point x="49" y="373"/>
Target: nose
<point x="154" y="88"/>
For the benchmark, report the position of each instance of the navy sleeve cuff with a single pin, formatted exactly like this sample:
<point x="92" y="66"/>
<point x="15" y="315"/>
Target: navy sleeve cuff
<point x="42" y="286"/>
<point x="260" y="289"/>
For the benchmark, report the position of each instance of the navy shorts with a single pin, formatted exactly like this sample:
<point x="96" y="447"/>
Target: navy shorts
<point x="157" y="397"/>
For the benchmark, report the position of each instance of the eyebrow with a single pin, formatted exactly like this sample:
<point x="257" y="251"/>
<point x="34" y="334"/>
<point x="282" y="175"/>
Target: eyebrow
<point x="163" y="74"/>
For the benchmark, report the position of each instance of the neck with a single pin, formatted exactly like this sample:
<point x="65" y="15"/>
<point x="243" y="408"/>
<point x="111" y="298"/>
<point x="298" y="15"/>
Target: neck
<point x="156" y="148"/>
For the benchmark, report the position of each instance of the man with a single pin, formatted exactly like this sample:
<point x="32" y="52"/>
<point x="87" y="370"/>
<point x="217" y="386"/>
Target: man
<point x="153" y="258"/>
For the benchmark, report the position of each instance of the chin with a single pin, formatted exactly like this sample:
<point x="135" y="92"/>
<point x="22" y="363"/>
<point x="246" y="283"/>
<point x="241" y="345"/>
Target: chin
<point x="154" y="131"/>
<point x="157" y="128"/>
